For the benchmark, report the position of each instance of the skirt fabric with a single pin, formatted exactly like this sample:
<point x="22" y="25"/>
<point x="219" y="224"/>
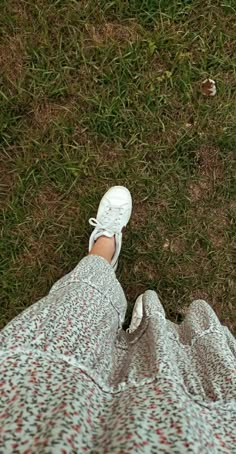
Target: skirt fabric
<point x="72" y="381"/>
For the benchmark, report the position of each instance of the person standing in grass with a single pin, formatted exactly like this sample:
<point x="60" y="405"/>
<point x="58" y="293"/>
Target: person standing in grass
<point x="73" y="381"/>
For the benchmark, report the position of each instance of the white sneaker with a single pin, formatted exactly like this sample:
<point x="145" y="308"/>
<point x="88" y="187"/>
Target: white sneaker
<point x="137" y="315"/>
<point x="113" y="215"/>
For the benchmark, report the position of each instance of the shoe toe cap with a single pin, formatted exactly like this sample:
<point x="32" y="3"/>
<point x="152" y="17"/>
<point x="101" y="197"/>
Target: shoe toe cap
<point x="118" y="195"/>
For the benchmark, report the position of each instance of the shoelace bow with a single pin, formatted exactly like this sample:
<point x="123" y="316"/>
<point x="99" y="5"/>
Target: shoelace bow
<point x="95" y="223"/>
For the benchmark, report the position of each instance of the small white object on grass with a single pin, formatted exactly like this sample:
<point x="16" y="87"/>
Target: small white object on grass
<point x="209" y="87"/>
<point x="166" y="244"/>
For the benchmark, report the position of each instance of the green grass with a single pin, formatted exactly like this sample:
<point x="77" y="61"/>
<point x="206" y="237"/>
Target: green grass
<point x="94" y="94"/>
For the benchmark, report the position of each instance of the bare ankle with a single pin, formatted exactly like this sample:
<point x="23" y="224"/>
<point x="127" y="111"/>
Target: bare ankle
<point x="105" y="247"/>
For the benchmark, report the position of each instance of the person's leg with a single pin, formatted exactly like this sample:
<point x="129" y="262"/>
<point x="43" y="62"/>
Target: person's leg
<point x="104" y="247"/>
<point x="80" y="316"/>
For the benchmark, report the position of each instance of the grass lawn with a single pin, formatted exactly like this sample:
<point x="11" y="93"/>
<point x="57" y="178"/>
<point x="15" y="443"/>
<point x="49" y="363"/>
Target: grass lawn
<point x="100" y="93"/>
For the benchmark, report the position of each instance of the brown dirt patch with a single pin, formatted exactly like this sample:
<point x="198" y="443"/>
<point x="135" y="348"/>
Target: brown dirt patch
<point x="175" y="244"/>
<point x="212" y="222"/>
<point x="210" y="172"/>
<point x="45" y="205"/>
<point x="139" y="215"/>
<point x="197" y="190"/>
<point x="48" y="207"/>
<point x="12" y="58"/>
<point x="144" y="211"/>
<point x="112" y="31"/>
<point x="146" y="270"/>
<point x="48" y="210"/>
<point x="45" y="113"/>
<point x="8" y="181"/>
<point x="81" y="136"/>
<point x="35" y="253"/>
<point x="107" y="154"/>
<point x="218" y="221"/>
<point x="19" y="8"/>
<point x="210" y="164"/>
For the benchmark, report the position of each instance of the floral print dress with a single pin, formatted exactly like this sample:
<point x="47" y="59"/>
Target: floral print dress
<point x="72" y="381"/>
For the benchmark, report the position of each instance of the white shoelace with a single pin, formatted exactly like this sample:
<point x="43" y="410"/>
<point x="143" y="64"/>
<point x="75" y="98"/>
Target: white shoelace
<point x="95" y="223"/>
<point x="111" y="219"/>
